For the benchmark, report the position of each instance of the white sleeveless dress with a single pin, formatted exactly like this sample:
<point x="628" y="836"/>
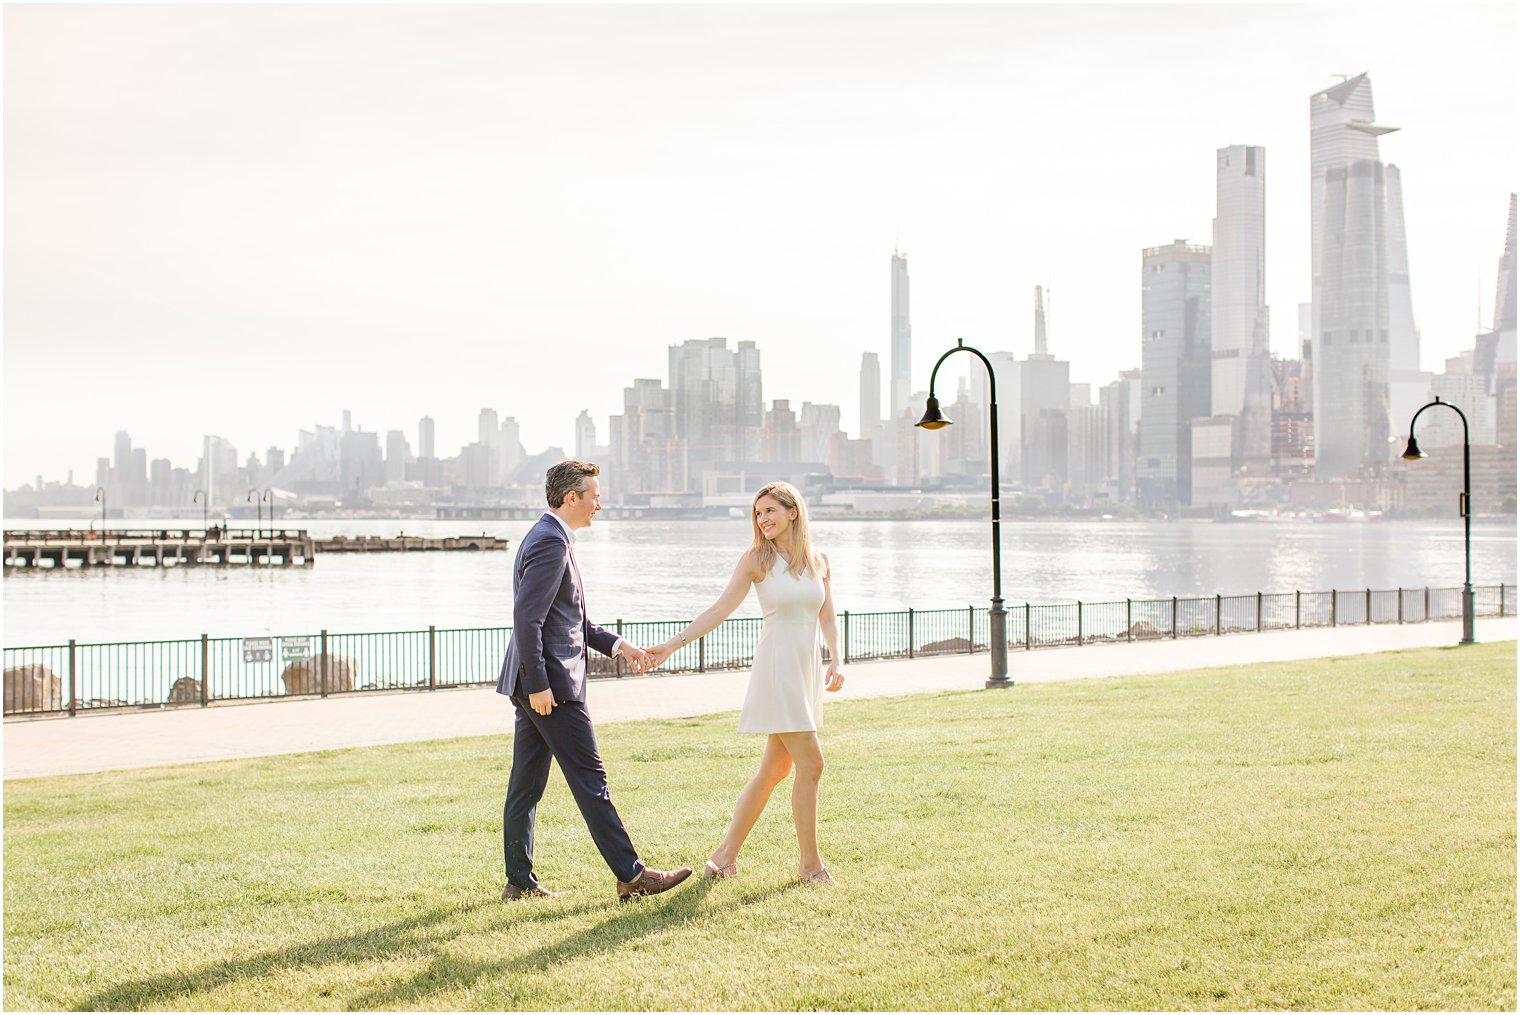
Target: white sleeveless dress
<point x="786" y="679"/>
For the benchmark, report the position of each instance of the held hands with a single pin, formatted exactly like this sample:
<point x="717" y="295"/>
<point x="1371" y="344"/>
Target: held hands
<point x="834" y="679"/>
<point x="639" y="658"/>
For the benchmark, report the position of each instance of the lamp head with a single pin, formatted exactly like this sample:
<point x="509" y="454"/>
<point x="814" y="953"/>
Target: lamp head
<point x="1413" y="453"/>
<point x="933" y="418"/>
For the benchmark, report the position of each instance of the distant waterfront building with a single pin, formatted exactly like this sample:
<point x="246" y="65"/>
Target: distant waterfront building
<point x="783" y="438"/>
<point x="717" y="392"/>
<point x="1005" y="372"/>
<point x="218" y="469"/>
<point x="488" y="428"/>
<point x="426" y="447"/>
<point x="1240" y="384"/>
<point x="870" y="396"/>
<point x="585" y="435"/>
<point x="397" y="454"/>
<point x="818" y="423"/>
<point x="1120" y="400"/>
<point x="1362" y="322"/>
<point x="1175" y="368"/>
<point x="361" y="463"/>
<point x="647" y="457"/>
<point x="902" y="338"/>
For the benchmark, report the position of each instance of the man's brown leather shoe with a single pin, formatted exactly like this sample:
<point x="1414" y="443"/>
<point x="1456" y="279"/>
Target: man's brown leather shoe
<point x="512" y="892"/>
<point x="651" y="882"/>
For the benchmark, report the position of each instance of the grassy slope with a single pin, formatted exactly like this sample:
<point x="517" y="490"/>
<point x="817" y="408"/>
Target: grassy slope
<point x="1327" y="834"/>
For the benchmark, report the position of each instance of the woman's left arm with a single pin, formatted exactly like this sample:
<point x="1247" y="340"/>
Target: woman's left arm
<point x="829" y="621"/>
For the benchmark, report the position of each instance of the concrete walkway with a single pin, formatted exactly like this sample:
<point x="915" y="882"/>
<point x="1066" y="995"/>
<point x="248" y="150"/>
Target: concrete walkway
<point x="99" y="743"/>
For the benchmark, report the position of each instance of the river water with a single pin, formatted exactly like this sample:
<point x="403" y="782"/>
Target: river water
<point x="644" y="570"/>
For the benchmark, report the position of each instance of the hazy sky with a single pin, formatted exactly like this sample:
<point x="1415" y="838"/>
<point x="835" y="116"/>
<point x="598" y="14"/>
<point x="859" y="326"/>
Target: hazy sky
<point x="243" y="219"/>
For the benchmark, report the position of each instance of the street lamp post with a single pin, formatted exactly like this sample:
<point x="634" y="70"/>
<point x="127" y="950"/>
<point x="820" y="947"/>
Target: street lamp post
<point x="200" y="496"/>
<point x="100" y="495"/>
<point x="1464" y="506"/>
<point x="268" y="495"/>
<point x="258" y="508"/>
<point x="935" y="420"/>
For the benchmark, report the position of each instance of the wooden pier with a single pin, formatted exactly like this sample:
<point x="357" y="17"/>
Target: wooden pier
<point x="60" y="548"/>
<point x="409" y="544"/>
<point x="50" y="549"/>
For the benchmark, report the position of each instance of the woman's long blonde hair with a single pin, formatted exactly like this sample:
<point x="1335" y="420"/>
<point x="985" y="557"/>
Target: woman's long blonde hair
<point x="804" y="557"/>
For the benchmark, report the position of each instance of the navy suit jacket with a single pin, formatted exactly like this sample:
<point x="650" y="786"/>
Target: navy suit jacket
<point x="550" y="630"/>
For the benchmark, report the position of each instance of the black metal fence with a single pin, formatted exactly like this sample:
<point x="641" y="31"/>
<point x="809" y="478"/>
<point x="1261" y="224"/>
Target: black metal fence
<point x="197" y="671"/>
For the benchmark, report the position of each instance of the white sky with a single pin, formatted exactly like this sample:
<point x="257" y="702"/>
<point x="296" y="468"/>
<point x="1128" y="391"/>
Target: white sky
<point x="243" y="219"/>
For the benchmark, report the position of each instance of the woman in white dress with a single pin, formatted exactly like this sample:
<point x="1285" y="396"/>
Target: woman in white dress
<point x="786" y="683"/>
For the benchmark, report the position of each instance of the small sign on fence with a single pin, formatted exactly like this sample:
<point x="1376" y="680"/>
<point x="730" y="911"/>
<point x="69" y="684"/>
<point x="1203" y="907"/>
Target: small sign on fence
<point x="292" y="649"/>
<point x="258" y="650"/>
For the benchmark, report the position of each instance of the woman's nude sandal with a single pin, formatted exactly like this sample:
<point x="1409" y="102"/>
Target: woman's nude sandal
<point x="729" y="870"/>
<point x="818" y="877"/>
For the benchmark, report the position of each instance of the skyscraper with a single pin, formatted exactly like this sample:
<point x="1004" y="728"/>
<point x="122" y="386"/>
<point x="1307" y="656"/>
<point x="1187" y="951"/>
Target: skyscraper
<point x="425" y="438"/>
<point x="870" y="395"/>
<point x="1041" y="335"/>
<point x="902" y="338"/>
<point x="585" y="435"/>
<point x="1175" y="368"/>
<point x="1504" y="292"/>
<point x="1362" y="324"/>
<point x="717" y="395"/>
<point x="488" y="427"/>
<point x="1240" y="383"/>
<point x="1238" y="273"/>
<point x="1043" y="405"/>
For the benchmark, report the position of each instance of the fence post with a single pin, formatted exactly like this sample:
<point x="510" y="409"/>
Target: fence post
<point x="1298" y="611"/>
<point x="617" y="660"/>
<point x="1401" y="603"/>
<point x="847" y="637"/>
<point x="970" y="629"/>
<point x="322" y="665"/>
<point x="1501" y="599"/>
<point x="1427" y="602"/>
<point x="1258" y="613"/>
<point x="1218" y="611"/>
<point x="205" y="670"/>
<point x="1129" y="619"/>
<point x="1333" y="598"/>
<point x="702" y="654"/>
<point x="73" y="692"/>
<point x="1028" y="635"/>
<point x="910" y="632"/>
<point x="432" y="658"/>
<point x="1368" y="608"/>
<point x="1174" y="618"/>
<point x="1079" y="622"/>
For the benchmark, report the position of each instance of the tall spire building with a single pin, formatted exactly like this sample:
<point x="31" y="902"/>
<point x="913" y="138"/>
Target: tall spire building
<point x="1504" y="293"/>
<point x="902" y="337"/>
<point x="1365" y="345"/>
<point x="1240" y="384"/>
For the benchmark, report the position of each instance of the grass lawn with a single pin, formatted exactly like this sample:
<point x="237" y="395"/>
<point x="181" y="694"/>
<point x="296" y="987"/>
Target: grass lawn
<point x="1327" y="834"/>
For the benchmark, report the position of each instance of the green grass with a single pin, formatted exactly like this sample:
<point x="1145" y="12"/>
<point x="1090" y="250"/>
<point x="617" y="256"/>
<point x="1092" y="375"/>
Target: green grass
<point x="1320" y="835"/>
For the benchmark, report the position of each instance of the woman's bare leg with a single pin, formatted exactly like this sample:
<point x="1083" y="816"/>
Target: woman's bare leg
<point x="808" y="757"/>
<point x="775" y="763"/>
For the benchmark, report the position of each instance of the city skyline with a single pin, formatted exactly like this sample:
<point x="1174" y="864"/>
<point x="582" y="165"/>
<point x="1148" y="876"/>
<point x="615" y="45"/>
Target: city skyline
<point x="235" y="257"/>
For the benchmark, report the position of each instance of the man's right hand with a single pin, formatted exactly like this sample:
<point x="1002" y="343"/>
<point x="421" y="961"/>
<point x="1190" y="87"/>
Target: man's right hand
<point x="542" y="702"/>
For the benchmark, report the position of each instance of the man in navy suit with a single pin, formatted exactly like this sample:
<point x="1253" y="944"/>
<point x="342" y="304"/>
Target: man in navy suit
<point x="545" y="676"/>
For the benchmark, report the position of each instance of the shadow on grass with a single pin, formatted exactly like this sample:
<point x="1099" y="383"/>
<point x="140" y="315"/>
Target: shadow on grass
<point x="618" y="936"/>
<point x="623" y="927"/>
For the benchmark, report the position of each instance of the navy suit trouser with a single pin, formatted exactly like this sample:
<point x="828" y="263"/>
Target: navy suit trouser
<point x="564" y="735"/>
